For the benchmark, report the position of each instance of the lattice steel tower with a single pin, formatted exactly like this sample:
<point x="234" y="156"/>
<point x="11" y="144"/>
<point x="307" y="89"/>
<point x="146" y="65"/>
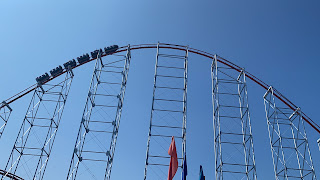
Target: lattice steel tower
<point x="5" y="112"/>
<point x="31" y="151"/>
<point x="288" y="140"/>
<point x="96" y="141"/>
<point x="168" y="113"/>
<point x="233" y="144"/>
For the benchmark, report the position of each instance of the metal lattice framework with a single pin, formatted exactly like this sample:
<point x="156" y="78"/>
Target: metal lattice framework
<point x="94" y="150"/>
<point x="233" y="142"/>
<point x="168" y="113"/>
<point x="5" y="113"/>
<point x="33" y="145"/>
<point x="288" y="139"/>
<point x="101" y="119"/>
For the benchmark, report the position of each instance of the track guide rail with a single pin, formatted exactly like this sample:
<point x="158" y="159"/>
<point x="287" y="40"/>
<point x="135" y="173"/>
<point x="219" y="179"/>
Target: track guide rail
<point x="264" y="85"/>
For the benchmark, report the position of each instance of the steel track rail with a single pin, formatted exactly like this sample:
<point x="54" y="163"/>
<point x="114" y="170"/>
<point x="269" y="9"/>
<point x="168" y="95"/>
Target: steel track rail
<point x="10" y="175"/>
<point x="264" y="85"/>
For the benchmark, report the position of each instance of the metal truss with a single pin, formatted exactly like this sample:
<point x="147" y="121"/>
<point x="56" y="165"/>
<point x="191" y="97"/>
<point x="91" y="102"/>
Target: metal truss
<point x="288" y="139"/>
<point x="168" y="114"/>
<point x="233" y="143"/>
<point x="5" y="112"/>
<point x="33" y="145"/>
<point x="101" y="118"/>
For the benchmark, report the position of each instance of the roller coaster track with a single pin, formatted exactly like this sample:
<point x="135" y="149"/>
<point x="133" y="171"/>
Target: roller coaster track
<point x="10" y="175"/>
<point x="264" y="85"/>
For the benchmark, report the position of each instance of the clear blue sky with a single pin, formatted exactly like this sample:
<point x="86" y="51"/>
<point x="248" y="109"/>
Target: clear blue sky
<point x="277" y="41"/>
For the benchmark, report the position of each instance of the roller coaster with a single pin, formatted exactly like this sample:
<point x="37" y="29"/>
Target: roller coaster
<point x="288" y="139"/>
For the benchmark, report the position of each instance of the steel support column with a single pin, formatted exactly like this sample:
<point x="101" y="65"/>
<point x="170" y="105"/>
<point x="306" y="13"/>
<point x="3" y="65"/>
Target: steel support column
<point x="168" y="113"/>
<point x="99" y="126"/>
<point x="5" y="113"/>
<point x="288" y="139"/>
<point x="33" y="145"/>
<point x="233" y="143"/>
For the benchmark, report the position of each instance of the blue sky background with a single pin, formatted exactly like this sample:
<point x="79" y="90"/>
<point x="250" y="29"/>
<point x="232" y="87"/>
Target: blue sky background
<point x="277" y="41"/>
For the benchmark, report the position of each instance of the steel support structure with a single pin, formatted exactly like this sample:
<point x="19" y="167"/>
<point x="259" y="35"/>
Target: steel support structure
<point x="5" y="113"/>
<point x="233" y="143"/>
<point x="288" y="139"/>
<point x="33" y="145"/>
<point x="94" y="149"/>
<point x="168" y="113"/>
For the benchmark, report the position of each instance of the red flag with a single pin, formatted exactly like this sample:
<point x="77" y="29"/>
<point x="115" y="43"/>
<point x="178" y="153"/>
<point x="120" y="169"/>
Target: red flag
<point x="173" y="167"/>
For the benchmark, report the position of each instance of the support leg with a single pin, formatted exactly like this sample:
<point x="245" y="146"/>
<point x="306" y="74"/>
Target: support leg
<point x="288" y="140"/>
<point x="233" y="142"/>
<point x="32" y="148"/>
<point x="99" y="127"/>
<point x="168" y="114"/>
